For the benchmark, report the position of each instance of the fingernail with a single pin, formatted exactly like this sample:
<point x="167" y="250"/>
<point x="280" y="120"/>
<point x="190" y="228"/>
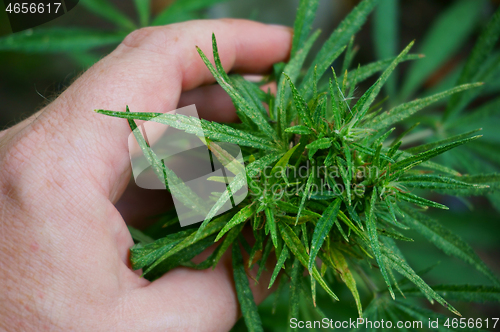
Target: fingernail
<point x="284" y="27"/>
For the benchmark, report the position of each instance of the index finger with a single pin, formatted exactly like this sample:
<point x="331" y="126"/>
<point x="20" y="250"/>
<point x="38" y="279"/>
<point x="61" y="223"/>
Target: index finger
<point x="148" y="72"/>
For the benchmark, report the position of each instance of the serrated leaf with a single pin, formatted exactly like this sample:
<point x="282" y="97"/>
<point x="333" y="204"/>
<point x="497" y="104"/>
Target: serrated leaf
<point x="405" y="270"/>
<point x="410" y="162"/>
<point x="347" y="277"/>
<point x="481" y="51"/>
<point x="142" y="255"/>
<point x="192" y="239"/>
<point x="244" y="293"/>
<point x="230" y="238"/>
<point x="51" y="40"/>
<point x="303" y="23"/>
<point x="181" y="10"/>
<point x="438" y="44"/>
<point x="428" y="146"/>
<point x="271" y="224"/>
<point x="241" y="104"/>
<point x="281" y="165"/>
<point x="305" y="193"/>
<point x="366" y="71"/>
<point x="445" y="240"/>
<point x="332" y="48"/>
<point x="409" y="197"/>
<point x="108" y="11"/>
<point x="300" y="130"/>
<point x="467" y="293"/>
<point x="295" y="284"/>
<point x="427" y="181"/>
<point x="199" y="127"/>
<point x="367" y="99"/>
<point x="295" y="245"/>
<point x="322" y="229"/>
<point x="371" y="228"/>
<point x="279" y="265"/>
<point x="385" y="35"/>
<point x="300" y="104"/>
<point x="405" y="110"/>
<point x="238" y="218"/>
<point x="322" y="143"/>
<point x="138" y="236"/>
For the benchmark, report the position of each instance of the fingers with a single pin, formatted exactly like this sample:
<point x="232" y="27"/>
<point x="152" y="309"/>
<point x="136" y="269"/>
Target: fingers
<point x="193" y="300"/>
<point x="148" y="72"/>
<point x="212" y="103"/>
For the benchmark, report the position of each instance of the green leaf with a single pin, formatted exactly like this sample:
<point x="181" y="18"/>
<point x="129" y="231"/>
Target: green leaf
<point x="303" y="23"/>
<point x="405" y="270"/>
<point x="481" y="51"/>
<point x="238" y="218"/>
<point x="347" y="277"/>
<point x="364" y="103"/>
<point x="271" y="224"/>
<point x="108" y="11"/>
<point x="199" y="127"/>
<point x="482" y="184"/>
<point x="155" y="162"/>
<point x="139" y="236"/>
<point x="322" y="229"/>
<point x="50" y="40"/>
<point x="442" y="41"/>
<point x="431" y="165"/>
<point x="424" y="156"/>
<point x="299" y="130"/>
<point x="344" y="174"/>
<point x="385" y="35"/>
<point x="279" y="265"/>
<point x="467" y="293"/>
<point x="421" y="314"/>
<point x="332" y="48"/>
<point x="295" y="245"/>
<point x="142" y="255"/>
<point x="292" y="69"/>
<point x="305" y="193"/>
<point x="366" y="71"/>
<point x="295" y="282"/>
<point x="143" y="10"/>
<point x="322" y="143"/>
<point x="371" y="228"/>
<point x="181" y="10"/>
<point x="300" y="104"/>
<point x="482" y="113"/>
<point x="405" y="110"/>
<point x="424" y="147"/>
<point x="427" y="181"/>
<point x="409" y="197"/>
<point x="182" y="257"/>
<point x="263" y="260"/>
<point x="244" y="293"/>
<point x="241" y="104"/>
<point x="446" y="241"/>
<point x="280" y="166"/>
<point x="190" y="240"/>
<point x="231" y="236"/>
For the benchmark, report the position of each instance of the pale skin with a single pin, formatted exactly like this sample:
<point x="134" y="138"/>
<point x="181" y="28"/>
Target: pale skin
<point x="64" y="245"/>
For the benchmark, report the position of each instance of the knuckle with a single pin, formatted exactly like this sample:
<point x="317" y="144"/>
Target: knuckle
<point x="137" y="37"/>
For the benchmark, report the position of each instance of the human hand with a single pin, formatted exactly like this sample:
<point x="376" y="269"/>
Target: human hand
<point x="63" y="244"/>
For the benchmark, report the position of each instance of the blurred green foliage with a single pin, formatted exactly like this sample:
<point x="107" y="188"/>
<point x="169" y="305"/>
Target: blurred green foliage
<point x="444" y="65"/>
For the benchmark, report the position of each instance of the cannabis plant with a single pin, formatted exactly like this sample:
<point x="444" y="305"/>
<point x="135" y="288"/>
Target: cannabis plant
<point x="331" y="192"/>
